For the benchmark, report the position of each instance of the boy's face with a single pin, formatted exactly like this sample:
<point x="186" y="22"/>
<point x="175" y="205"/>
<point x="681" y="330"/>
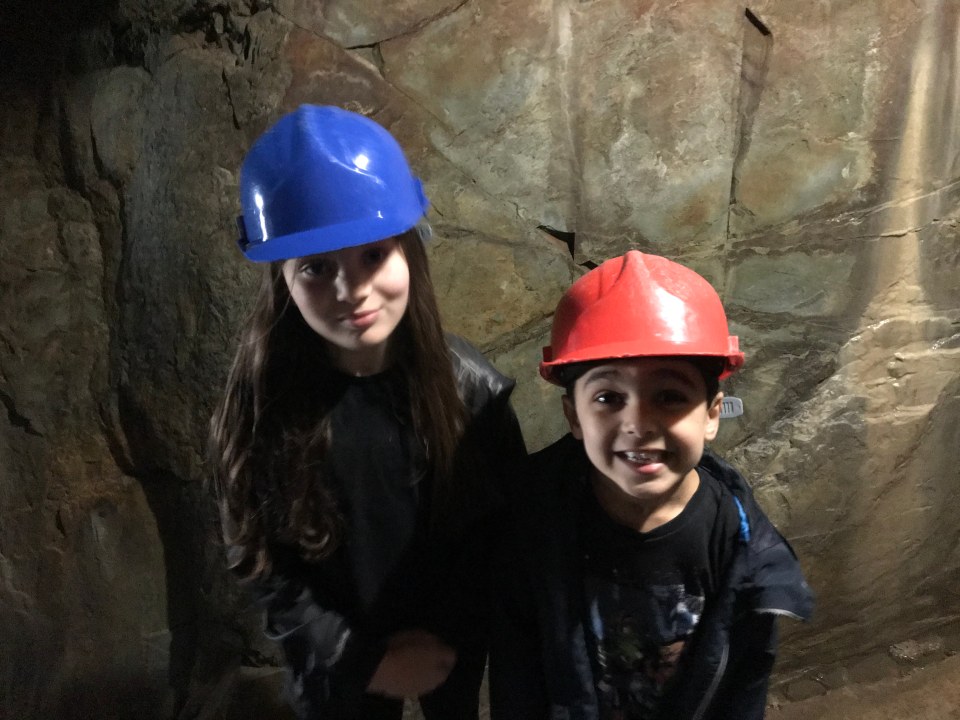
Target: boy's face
<point x="643" y="423"/>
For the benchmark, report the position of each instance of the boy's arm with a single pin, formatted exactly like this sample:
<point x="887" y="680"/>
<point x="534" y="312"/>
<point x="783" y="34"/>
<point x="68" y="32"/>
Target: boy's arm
<point x="753" y="648"/>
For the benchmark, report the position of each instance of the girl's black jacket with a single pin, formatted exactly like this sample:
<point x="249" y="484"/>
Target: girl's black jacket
<point x="440" y="584"/>
<point x="539" y="663"/>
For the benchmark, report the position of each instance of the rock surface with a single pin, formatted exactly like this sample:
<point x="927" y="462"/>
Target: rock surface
<point x="931" y="693"/>
<point x="803" y="157"/>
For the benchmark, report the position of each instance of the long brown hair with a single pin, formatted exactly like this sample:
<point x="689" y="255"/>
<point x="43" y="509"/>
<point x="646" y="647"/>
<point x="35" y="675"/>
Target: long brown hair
<point x="270" y="432"/>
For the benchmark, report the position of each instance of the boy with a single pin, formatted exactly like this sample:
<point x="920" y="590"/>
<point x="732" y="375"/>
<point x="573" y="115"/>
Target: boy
<point x="642" y="581"/>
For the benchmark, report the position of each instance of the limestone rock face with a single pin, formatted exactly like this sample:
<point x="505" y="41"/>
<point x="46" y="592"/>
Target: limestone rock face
<point x="82" y="575"/>
<point x="357" y="24"/>
<point x="803" y="157"/>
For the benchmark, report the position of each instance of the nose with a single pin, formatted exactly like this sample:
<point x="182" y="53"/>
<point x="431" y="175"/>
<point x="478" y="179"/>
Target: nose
<point x="637" y="419"/>
<point x="351" y="285"/>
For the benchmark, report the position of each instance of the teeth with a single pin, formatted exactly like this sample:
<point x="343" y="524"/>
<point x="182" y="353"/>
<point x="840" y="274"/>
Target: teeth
<point x="641" y="457"/>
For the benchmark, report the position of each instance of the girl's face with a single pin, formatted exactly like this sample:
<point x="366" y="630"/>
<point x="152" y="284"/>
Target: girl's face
<point x="354" y="299"/>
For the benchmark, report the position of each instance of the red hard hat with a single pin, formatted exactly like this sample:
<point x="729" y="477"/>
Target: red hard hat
<point x="639" y="305"/>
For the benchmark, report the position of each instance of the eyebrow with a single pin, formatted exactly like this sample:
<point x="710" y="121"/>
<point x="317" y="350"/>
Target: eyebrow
<point x="612" y="373"/>
<point x="677" y="375"/>
<point x="601" y="374"/>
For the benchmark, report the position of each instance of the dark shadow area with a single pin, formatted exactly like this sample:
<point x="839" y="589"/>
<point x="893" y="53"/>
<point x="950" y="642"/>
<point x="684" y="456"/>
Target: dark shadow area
<point x="109" y="697"/>
<point x="567" y="238"/>
<point x="35" y="33"/>
<point x="754" y="65"/>
<point x="178" y="507"/>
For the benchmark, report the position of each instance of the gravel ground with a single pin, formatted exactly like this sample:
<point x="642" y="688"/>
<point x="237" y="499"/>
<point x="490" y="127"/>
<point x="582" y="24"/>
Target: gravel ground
<point x="931" y="693"/>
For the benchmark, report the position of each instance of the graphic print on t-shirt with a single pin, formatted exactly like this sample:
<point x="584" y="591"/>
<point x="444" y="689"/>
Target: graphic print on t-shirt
<point x="640" y="634"/>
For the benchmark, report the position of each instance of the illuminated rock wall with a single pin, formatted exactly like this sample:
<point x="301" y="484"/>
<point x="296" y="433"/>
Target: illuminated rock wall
<point x="802" y="156"/>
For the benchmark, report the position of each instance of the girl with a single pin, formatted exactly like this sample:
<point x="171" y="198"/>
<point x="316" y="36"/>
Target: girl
<point x="360" y="454"/>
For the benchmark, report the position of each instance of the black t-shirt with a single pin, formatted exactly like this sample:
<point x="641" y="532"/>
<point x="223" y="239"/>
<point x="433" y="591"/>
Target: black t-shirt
<point x="375" y="468"/>
<point x="646" y="592"/>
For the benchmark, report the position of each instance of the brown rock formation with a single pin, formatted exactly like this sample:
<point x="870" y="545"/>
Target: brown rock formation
<point x="804" y="157"/>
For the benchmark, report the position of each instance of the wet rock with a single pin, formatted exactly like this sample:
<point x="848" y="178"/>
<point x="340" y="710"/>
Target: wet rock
<point x="810" y="174"/>
<point x="914" y="651"/>
<point x="804" y="689"/>
<point x="878" y="666"/>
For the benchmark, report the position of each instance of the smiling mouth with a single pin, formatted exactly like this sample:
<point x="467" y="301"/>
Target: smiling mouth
<point x="644" y="460"/>
<point x="362" y="319"/>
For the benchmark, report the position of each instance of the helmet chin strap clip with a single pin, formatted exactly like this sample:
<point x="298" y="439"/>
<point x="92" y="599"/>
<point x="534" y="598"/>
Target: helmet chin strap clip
<point x="242" y="240"/>
<point x="731" y="407"/>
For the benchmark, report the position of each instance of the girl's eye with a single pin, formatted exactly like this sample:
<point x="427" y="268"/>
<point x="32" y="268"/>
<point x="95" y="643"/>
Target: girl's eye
<point x="375" y="255"/>
<point x="317" y="268"/>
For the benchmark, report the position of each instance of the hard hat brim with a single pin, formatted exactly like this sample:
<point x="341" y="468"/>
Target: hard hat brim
<point x="327" y="239"/>
<point x="733" y="360"/>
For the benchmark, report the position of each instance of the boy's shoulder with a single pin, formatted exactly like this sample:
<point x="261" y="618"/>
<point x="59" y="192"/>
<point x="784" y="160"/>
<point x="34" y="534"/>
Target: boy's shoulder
<point x="724" y="473"/>
<point x="776" y="579"/>
<point x="755" y="523"/>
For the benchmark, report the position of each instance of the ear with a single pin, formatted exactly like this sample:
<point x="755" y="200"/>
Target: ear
<point x="713" y="418"/>
<point x="570" y="412"/>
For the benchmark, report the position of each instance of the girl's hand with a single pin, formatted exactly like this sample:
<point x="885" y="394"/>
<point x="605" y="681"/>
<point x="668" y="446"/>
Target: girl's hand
<point x="415" y="663"/>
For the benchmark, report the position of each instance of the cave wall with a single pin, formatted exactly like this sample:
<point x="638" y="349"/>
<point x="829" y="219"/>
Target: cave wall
<point x="804" y="157"/>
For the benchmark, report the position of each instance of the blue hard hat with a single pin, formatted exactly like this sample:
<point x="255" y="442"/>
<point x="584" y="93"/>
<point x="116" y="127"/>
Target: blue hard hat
<point x="323" y="178"/>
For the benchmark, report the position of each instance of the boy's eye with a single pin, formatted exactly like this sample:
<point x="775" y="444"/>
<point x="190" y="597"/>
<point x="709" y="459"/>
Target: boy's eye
<point x="608" y="397"/>
<point x="672" y="397"/>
